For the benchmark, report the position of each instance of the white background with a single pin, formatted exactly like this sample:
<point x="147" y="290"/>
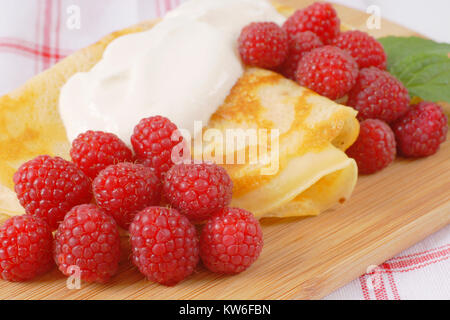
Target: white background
<point x="428" y="17"/>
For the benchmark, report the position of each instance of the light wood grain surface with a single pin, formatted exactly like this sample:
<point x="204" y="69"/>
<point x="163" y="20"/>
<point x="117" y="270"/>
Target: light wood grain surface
<point x="303" y="258"/>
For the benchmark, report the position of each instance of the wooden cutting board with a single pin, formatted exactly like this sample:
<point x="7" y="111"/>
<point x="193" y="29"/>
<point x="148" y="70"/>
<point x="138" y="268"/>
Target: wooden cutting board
<point x="303" y="258"/>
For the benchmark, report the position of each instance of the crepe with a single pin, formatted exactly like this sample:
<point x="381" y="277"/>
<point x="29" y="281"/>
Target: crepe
<point x="313" y="174"/>
<point x="310" y="171"/>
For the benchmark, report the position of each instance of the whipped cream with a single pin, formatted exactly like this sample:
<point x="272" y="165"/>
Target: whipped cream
<point x="183" y="69"/>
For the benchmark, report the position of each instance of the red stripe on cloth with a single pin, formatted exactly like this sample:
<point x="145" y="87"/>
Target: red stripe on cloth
<point x="168" y="6"/>
<point x="364" y="288"/>
<point x="30" y="51"/>
<point x="419" y="253"/>
<point x="393" y="286"/>
<point x="416" y="262"/>
<point x="47" y="31"/>
<point x="32" y="45"/>
<point x="58" y="28"/>
<point x="379" y="287"/>
<point x="158" y="8"/>
<point x="37" y="39"/>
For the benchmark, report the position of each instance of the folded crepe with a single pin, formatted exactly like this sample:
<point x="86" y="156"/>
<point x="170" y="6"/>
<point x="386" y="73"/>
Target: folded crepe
<point x="313" y="174"/>
<point x="306" y="171"/>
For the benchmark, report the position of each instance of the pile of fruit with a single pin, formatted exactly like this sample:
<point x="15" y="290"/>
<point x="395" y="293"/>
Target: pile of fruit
<point x="107" y="186"/>
<point x="349" y="67"/>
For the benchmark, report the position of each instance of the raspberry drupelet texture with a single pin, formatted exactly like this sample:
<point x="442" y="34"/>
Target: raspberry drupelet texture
<point x="164" y="245"/>
<point x="299" y="44"/>
<point x="320" y="18"/>
<point x="421" y="131"/>
<point x="231" y="241"/>
<point x="263" y="44"/>
<point x="152" y="142"/>
<point x="49" y="187"/>
<point x="198" y="190"/>
<point x="124" y="189"/>
<point x="89" y="239"/>
<point x="93" y="151"/>
<point x="378" y="95"/>
<point x="329" y="71"/>
<point x="26" y="244"/>
<point x="365" y="49"/>
<point x="375" y="147"/>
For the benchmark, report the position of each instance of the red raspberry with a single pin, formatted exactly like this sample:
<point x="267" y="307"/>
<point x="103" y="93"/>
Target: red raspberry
<point x="420" y="132"/>
<point x="164" y="245"/>
<point x="152" y="142"/>
<point x="263" y="44"/>
<point x="299" y="44"/>
<point x="231" y="241"/>
<point x="89" y="239"/>
<point x="93" y="151"/>
<point x="198" y="190"/>
<point x="124" y="189"/>
<point x="375" y="147"/>
<point x="365" y="49"/>
<point x="320" y="18"/>
<point x="49" y="187"/>
<point x="25" y="248"/>
<point x="378" y="95"/>
<point x="329" y="71"/>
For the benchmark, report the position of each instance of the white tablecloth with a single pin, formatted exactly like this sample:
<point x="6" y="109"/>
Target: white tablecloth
<point x="36" y="34"/>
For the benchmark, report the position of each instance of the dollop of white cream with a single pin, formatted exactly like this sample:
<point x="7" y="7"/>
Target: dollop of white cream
<point x="183" y="69"/>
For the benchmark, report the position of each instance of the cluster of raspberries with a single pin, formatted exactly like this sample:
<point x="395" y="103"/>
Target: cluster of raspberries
<point x="107" y="186"/>
<point x="349" y="67"/>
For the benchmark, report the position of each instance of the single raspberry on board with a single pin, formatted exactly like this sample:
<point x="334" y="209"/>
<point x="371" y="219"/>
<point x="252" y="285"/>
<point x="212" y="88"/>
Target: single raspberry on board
<point x="93" y="151"/>
<point x="49" y="187"/>
<point x="329" y="71"/>
<point x="378" y="95"/>
<point x="198" y="190"/>
<point x="375" y="147"/>
<point x="421" y="131"/>
<point x="26" y="244"/>
<point x="164" y="245"/>
<point x="124" y="189"/>
<point x="365" y="49"/>
<point x="231" y="241"/>
<point x="88" y="240"/>
<point x="152" y="142"/>
<point x="320" y="18"/>
<point x="263" y="44"/>
<point x="299" y="44"/>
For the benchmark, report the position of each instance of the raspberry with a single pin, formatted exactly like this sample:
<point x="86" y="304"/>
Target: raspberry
<point x="263" y="44"/>
<point x="329" y="71"/>
<point x="420" y="132"/>
<point x="152" y="142"/>
<point x="124" y="189"/>
<point x="320" y="18"/>
<point x="93" y="151"/>
<point x="89" y="239"/>
<point x="49" y="187"/>
<point x="375" y="147"/>
<point x="198" y="190"/>
<point x="25" y="248"/>
<point x="231" y="241"/>
<point x="378" y="95"/>
<point x="365" y="49"/>
<point x="299" y="44"/>
<point x="164" y="245"/>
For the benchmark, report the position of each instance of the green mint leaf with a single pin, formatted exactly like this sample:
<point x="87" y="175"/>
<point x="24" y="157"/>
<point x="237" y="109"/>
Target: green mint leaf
<point x="421" y="64"/>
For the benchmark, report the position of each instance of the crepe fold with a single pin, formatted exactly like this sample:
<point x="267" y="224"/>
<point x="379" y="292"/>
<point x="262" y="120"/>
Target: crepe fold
<point x="299" y="170"/>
